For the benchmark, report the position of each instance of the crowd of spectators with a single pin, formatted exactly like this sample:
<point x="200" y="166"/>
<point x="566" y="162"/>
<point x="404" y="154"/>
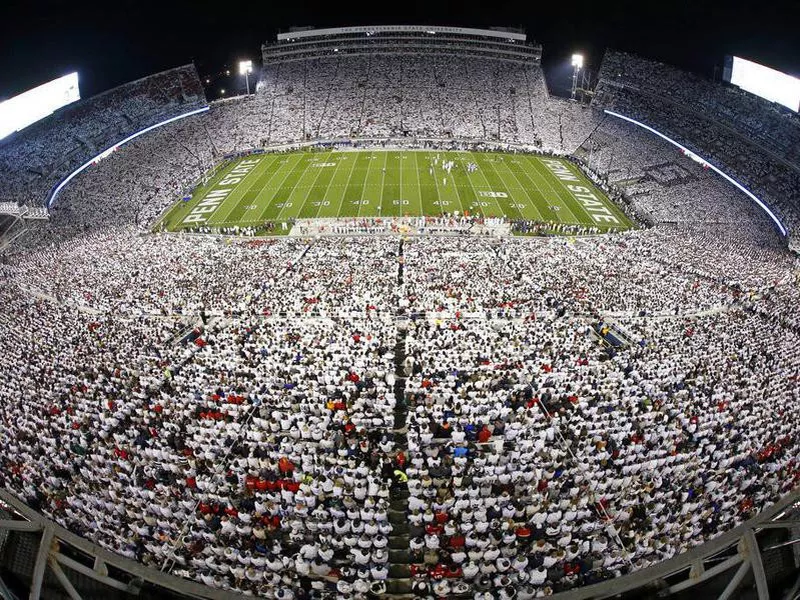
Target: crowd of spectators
<point x="752" y="139"/>
<point x="770" y="124"/>
<point x="538" y="466"/>
<point x="35" y="159"/>
<point x="659" y="182"/>
<point x="259" y="454"/>
<point x="223" y="408"/>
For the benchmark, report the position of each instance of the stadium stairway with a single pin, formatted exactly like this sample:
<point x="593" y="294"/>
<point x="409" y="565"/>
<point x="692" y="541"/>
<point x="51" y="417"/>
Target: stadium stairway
<point x="399" y="583"/>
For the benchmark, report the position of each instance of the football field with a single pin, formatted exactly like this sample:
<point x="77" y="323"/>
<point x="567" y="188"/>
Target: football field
<point x="276" y="188"/>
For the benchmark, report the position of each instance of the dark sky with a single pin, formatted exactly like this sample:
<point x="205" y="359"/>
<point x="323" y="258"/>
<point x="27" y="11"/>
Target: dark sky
<point x="115" y="41"/>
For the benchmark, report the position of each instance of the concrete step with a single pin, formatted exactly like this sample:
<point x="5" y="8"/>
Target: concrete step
<point x="399" y="557"/>
<point x="399" y="495"/>
<point x="398" y="518"/>
<point x="399" y="571"/>
<point x="400" y="528"/>
<point x="398" y="586"/>
<point x="398" y="543"/>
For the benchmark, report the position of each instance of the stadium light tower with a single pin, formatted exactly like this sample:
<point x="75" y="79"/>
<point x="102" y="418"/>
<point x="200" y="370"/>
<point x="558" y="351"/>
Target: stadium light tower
<point x="577" y="65"/>
<point x="245" y="68"/>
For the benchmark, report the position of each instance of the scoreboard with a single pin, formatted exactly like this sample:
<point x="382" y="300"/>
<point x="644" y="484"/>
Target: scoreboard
<point x="763" y="81"/>
<point x="28" y="107"/>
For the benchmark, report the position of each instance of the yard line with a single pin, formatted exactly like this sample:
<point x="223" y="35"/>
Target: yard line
<point x="277" y="189"/>
<point x="340" y="159"/>
<point x="383" y="181"/>
<point x="320" y="170"/>
<point x="355" y="156"/>
<point x="257" y="169"/>
<point x="400" y="190"/>
<point x="538" y="189"/>
<point x="174" y="217"/>
<point x="439" y="193"/>
<point x="418" y="186"/>
<point x="467" y="194"/>
<point x="547" y="175"/>
<point x="586" y="182"/>
<point x="512" y="201"/>
<point x="366" y="184"/>
<point x="531" y="203"/>
<point x="478" y="197"/>
<point x="421" y="174"/>
<point x="237" y="219"/>
<point x="455" y="187"/>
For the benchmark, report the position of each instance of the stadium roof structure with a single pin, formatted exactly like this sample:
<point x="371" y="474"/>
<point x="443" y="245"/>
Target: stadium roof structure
<point x="502" y="33"/>
<point x="498" y="43"/>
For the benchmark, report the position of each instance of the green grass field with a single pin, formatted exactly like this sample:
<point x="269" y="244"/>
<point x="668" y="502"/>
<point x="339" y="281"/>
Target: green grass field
<point x="276" y="188"/>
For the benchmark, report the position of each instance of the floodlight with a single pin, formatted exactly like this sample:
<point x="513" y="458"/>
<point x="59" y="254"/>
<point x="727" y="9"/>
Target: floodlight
<point x="222" y="91"/>
<point x="577" y="65"/>
<point x="245" y="68"/>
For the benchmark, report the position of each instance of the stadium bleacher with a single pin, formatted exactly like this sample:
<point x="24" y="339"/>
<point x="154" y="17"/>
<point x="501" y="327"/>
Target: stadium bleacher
<point x="35" y="159"/>
<point x="367" y="416"/>
<point x="751" y="138"/>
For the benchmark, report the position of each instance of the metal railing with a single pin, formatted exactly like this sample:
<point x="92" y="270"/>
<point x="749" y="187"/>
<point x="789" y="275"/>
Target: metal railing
<point x="697" y="565"/>
<point x="50" y="556"/>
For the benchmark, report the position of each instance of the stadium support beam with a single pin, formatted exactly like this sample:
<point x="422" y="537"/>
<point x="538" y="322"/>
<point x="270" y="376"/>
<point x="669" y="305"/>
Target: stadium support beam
<point x="779" y="525"/>
<point x="701" y="574"/>
<point x="135" y="569"/>
<point x="792" y="593"/>
<point x="97" y="576"/>
<point x="64" y="580"/>
<point x="754" y="554"/>
<point x="20" y="526"/>
<point x="41" y="563"/>
<point x="735" y="581"/>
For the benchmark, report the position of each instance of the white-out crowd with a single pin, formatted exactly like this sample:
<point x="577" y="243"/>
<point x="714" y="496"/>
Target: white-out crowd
<point x="223" y="408"/>
<point x="35" y="159"/>
<point x="260" y="456"/>
<point x="754" y="140"/>
<point x="445" y="97"/>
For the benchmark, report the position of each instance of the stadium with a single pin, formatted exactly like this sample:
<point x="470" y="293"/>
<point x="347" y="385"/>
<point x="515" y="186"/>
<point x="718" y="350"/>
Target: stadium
<point x="399" y="322"/>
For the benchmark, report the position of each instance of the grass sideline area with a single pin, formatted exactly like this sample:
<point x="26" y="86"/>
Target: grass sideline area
<point x="262" y="191"/>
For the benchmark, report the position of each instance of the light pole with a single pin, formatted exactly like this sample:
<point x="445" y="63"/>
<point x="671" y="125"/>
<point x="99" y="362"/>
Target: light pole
<point x="577" y="65"/>
<point x="245" y="68"/>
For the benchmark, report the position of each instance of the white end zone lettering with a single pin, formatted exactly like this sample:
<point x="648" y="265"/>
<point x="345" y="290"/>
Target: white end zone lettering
<point x="560" y="170"/>
<point x="216" y="196"/>
<point x="593" y="205"/>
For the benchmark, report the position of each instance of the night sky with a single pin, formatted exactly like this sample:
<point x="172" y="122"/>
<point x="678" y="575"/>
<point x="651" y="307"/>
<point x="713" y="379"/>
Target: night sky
<point x="116" y="41"/>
